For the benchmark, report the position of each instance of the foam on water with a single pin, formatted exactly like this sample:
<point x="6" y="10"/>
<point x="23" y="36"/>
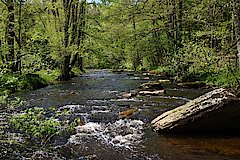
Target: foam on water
<point x="100" y="111"/>
<point x="72" y="108"/>
<point x="127" y="100"/>
<point x="121" y="133"/>
<point x="90" y="128"/>
<point x="97" y="101"/>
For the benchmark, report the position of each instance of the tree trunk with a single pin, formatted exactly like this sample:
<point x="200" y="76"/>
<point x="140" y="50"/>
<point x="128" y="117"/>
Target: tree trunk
<point x="18" y="61"/>
<point x="10" y="35"/>
<point x="236" y="11"/>
<point x="1" y="55"/>
<point x="136" y="57"/>
<point x="74" y="12"/>
<point x="80" y="63"/>
<point x="157" y="58"/>
<point x="65" y="75"/>
<point x="81" y="22"/>
<point x="180" y="28"/>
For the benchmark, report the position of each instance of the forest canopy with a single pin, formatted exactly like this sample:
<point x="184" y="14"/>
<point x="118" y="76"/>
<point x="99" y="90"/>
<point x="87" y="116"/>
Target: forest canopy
<point x="189" y="39"/>
<point x="188" y="43"/>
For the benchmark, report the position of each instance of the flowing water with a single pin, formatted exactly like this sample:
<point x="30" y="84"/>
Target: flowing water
<point x="95" y="99"/>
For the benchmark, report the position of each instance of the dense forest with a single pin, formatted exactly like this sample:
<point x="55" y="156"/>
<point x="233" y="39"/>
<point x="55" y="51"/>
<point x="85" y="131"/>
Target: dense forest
<point x="188" y="39"/>
<point x="46" y="41"/>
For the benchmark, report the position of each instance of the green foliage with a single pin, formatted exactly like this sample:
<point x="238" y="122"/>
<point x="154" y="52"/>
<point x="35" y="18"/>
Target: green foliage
<point x="34" y="123"/>
<point x="76" y="71"/>
<point x="15" y="82"/>
<point x="186" y="39"/>
<point x="37" y="124"/>
<point x="49" y="75"/>
<point x="7" y="103"/>
<point x="165" y="70"/>
<point x="225" y="78"/>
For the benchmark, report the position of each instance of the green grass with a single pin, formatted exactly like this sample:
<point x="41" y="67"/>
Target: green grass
<point x="225" y="78"/>
<point x="165" y="70"/>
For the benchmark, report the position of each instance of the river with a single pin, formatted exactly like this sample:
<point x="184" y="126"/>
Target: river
<point x="94" y="98"/>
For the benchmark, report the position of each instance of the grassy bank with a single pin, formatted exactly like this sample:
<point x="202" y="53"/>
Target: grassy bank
<point x="226" y="77"/>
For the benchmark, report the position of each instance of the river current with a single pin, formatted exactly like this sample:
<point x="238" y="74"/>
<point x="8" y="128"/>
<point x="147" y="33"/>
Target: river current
<point x="95" y="98"/>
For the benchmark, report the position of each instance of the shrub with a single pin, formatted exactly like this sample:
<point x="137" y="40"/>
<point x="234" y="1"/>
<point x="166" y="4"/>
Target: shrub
<point x="34" y="123"/>
<point x="16" y="82"/>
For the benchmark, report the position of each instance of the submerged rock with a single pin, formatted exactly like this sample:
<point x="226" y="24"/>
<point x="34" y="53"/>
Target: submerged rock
<point x="164" y="81"/>
<point x="150" y="86"/>
<point x="127" y="113"/>
<point x="196" y="84"/>
<point x="152" y="93"/>
<point x="128" y="95"/>
<point x="216" y="111"/>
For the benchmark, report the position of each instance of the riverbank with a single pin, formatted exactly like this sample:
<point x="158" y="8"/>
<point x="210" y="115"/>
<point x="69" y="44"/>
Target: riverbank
<point x="226" y="78"/>
<point x="16" y="82"/>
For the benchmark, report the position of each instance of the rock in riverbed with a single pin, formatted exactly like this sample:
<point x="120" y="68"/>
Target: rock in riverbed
<point x="150" y="86"/>
<point x="152" y="93"/>
<point x="216" y="111"/>
<point x="127" y="113"/>
<point x="195" y="85"/>
<point x="128" y="95"/>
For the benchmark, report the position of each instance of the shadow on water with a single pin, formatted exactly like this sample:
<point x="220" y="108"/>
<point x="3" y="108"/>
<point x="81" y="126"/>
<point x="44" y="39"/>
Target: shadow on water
<point x="93" y="98"/>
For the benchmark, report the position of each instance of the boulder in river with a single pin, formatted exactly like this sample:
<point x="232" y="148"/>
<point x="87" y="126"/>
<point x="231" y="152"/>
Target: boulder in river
<point x="127" y="113"/>
<point x="217" y="111"/>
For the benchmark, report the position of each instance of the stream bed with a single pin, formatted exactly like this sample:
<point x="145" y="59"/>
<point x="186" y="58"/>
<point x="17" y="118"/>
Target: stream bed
<point x="94" y="98"/>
